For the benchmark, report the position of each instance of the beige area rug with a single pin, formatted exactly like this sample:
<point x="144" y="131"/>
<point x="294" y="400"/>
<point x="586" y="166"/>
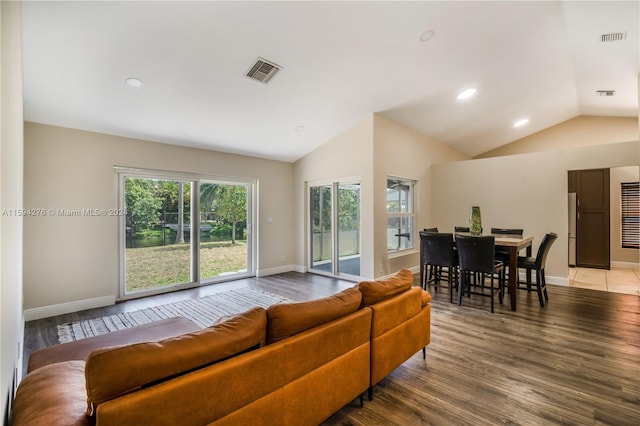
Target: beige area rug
<point x="204" y="311"/>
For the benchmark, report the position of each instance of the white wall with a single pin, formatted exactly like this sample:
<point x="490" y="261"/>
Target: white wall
<point x="584" y="130"/>
<point x="348" y="155"/>
<point x="373" y="149"/>
<point x="11" y="170"/>
<point x="71" y="263"/>
<point x="403" y="152"/>
<point x="522" y="191"/>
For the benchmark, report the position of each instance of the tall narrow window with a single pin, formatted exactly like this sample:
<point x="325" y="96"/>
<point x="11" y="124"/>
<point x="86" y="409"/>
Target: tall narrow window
<point x="630" y="215"/>
<point x="400" y="214"/>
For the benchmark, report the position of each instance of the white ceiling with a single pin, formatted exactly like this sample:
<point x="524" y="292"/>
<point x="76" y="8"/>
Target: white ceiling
<point x="341" y="61"/>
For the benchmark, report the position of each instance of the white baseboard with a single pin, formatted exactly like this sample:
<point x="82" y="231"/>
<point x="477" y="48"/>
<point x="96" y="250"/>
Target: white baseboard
<point x="67" y="308"/>
<point x="550" y="279"/>
<point x="279" y="270"/>
<point x="627" y="265"/>
<point x="556" y="280"/>
<point x="415" y="270"/>
<point x="99" y="302"/>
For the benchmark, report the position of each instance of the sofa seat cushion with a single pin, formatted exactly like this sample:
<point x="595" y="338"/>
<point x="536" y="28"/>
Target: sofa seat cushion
<point x="52" y="395"/>
<point x="117" y="370"/>
<point x="384" y="288"/>
<point x="288" y="319"/>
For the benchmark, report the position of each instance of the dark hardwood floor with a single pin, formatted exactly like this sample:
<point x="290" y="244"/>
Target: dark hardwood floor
<point x="574" y="362"/>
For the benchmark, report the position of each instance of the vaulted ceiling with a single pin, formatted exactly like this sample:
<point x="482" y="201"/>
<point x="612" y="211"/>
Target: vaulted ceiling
<point x="340" y="61"/>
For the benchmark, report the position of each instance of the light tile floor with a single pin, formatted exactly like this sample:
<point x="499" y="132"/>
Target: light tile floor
<point x="615" y="280"/>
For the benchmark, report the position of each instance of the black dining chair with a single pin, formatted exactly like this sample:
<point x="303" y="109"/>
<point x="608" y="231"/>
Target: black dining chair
<point x="507" y="231"/>
<point x="502" y="253"/>
<point x="464" y="229"/>
<point x="477" y="256"/>
<point x="537" y="264"/>
<point x="423" y="270"/>
<point x="440" y="254"/>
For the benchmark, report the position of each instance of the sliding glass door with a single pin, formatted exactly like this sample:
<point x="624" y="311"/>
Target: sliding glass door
<point x="224" y="248"/>
<point x="158" y="250"/>
<point x="179" y="231"/>
<point x="321" y="228"/>
<point x="348" y="232"/>
<point x="335" y="228"/>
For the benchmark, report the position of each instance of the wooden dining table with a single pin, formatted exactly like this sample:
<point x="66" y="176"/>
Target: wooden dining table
<point x="514" y="243"/>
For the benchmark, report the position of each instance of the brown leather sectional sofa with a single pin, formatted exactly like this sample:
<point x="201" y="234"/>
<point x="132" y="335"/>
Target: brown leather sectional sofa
<point x="292" y="364"/>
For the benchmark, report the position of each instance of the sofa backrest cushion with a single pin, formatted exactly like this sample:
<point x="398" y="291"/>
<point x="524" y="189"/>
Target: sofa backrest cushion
<point x="384" y="288"/>
<point x="117" y="370"/>
<point x="288" y="319"/>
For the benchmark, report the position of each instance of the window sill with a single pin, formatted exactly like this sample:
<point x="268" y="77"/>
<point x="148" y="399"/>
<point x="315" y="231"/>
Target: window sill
<point x="401" y="253"/>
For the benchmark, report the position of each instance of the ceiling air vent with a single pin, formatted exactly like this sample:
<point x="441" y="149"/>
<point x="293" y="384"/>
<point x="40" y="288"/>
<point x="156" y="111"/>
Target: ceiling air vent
<point x="604" y="38"/>
<point x="263" y="70"/>
<point x="605" y="92"/>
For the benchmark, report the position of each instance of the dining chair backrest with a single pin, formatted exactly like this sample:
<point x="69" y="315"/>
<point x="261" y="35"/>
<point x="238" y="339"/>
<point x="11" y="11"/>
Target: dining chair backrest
<point x="430" y="229"/>
<point x="543" y="250"/>
<point x="507" y="231"/>
<point x="461" y="228"/>
<point x="438" y="249"/>
<point x="476" y="254"/>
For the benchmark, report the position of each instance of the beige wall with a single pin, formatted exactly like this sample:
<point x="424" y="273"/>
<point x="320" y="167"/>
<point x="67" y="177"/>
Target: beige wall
<point x="523" y="191"/>
<point x="617" y="176"/>
<point x="579" y="131"/>
<point x="347" y="156"/>
<point x="371" y="150"/>
<point x="403" y="152"/>
<point x="11" y="170"/>
<point x="72" y="262"/>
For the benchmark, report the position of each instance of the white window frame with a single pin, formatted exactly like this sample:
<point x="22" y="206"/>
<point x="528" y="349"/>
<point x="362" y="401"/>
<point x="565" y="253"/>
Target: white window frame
<point x="629" y="212"/>
<point x="123" y="172"/>
<point x="408" y="214"/>
<point x="334" y="184"/>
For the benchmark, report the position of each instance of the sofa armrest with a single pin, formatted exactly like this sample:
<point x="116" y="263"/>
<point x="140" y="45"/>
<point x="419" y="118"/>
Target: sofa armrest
<point x="52" y="395"/>
<point x="426" y="298"/>
<point x="80" y="349"/>
<point x="392" y="312"/>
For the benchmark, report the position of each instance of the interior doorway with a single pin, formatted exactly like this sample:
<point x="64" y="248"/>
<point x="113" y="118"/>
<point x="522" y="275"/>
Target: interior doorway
<point x="589" y="229"/>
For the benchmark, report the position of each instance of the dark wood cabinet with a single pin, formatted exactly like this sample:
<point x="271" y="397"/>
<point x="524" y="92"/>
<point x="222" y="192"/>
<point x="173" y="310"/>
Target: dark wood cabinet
<point x="593" y="217"/>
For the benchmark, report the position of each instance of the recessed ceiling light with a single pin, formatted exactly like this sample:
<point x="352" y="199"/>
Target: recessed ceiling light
<point x="467" y="94"/>
<point x="299" y="128"/>
<point x="521" y="122"/>
<point x="134" y="82"/>
<point x="427" y="35"/>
